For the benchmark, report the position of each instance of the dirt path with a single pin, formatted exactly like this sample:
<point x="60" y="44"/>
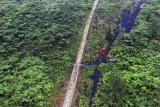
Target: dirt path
<point x="60" y="100"/>
<point x="75" y="72"/>
<point x="77" y="91"/>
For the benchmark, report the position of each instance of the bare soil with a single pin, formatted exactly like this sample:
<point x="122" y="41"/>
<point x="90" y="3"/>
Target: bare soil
<point x="62" y="93"/>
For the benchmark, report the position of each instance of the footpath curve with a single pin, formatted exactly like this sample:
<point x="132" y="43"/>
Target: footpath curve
<point x="72" y="84"/>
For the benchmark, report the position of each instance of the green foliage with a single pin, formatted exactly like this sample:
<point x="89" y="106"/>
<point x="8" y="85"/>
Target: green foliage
<point x="84" y="101"/>
<point x="109" y="36"/>
<point x="24" y="84"/>
<point x="38" y="41"/>
<point x="137" y="82"/>
<point x="37" y="26"/>
<point x="134" y="81"/>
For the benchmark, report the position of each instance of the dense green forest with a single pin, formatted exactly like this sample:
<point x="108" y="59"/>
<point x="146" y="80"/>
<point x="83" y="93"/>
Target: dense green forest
<point x="39" y="40"/>
<point x="134" y="81"/>
<point x="38" y="43"/>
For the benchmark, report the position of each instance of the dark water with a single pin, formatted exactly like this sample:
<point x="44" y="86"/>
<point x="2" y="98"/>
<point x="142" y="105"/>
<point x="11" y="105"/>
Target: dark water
<point x="127" y="22"/>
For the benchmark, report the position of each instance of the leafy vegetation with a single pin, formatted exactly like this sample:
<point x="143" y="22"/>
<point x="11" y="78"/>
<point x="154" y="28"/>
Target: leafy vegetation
<point x="38" y="42"/>
<point x="26" y="83"/>
<point x="135" y="79"/>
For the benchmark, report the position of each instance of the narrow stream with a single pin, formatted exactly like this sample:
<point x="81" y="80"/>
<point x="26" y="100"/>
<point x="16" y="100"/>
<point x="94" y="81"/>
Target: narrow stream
<point x="127" y="22"/>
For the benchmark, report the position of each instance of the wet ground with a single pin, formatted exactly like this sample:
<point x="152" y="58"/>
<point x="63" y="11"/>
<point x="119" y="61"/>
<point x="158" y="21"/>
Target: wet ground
<point x="127" y="22"/>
